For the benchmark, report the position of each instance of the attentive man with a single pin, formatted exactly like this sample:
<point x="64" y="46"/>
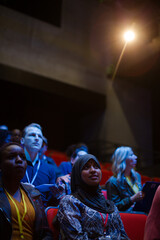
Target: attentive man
<point x="38" y="172"/>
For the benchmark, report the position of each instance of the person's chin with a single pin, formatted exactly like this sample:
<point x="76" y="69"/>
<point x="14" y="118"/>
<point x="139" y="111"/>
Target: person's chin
<point x="35" y="149"/>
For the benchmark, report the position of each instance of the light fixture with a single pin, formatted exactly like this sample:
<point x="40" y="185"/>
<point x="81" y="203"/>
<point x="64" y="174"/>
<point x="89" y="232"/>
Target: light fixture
<point x="129" y="36"/>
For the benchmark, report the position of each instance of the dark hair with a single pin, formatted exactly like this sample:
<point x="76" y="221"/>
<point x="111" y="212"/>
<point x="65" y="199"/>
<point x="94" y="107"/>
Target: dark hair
<point x="81" y="147"/>
<point x="72" y="149"/>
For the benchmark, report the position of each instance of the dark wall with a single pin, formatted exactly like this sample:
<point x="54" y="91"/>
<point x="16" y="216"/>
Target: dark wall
<point x="47" y="11"/>
<point x="67" y="114"/>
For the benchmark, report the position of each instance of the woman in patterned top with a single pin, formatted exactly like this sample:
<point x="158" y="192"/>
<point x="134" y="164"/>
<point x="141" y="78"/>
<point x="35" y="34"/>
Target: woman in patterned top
<point x="86" y="214"/>
<point x="124" y="188"/>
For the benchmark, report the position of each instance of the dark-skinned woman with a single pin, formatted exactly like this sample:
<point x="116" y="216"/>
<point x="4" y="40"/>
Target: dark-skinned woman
<point x="21" y="210"/>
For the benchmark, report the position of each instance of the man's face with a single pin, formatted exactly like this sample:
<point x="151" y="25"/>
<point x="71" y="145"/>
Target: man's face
<point x="33" y="139"/>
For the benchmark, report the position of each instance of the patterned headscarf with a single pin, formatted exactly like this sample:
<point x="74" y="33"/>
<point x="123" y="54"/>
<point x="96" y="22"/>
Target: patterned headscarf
<point x="89" y="195"/>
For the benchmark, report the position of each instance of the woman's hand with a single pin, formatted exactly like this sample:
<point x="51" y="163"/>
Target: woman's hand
<point x="138" y="196"/>
<point x="65" y="178"/>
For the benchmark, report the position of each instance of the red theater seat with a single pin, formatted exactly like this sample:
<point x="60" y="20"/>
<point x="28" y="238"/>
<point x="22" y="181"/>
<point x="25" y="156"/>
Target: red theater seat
<point x="134" y="225"/>
<point x="104" y="193"/>
<point x="145" y="179"/>
<point x="51" y="213"/>
<point x="105" y="176"/>
<point x="58" y="157"/>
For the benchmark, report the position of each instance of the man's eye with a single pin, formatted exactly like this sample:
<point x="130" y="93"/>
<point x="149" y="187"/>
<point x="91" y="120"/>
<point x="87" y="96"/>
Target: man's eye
<point x="23" y="156"/>
<point x="32" y="135"/>
<point x="11" y="156"/>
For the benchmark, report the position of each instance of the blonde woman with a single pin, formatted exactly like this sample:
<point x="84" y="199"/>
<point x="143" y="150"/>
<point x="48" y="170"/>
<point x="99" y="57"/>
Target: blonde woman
<point x="124" y="187"/>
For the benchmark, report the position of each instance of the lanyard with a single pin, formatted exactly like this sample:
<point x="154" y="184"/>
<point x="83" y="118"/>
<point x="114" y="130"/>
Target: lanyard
<point x="133" y="186"/>
<point x="104" y="222"/>
<point x="33" y="179"/>
<point x="18" y="214"/>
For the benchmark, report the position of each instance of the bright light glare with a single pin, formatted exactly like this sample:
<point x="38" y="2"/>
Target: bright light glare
<point x="129" y="36"/>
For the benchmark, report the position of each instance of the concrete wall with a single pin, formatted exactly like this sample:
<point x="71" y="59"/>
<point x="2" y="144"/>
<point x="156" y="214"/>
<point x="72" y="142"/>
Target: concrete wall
<point x="77" y="53"/>
<point x="57" y="53"/>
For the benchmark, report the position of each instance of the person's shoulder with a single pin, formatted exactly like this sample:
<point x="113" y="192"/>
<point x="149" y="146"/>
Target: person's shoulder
<point x="158" y="191"/>
<point x="30" y="189"/>
<point x="112" y="180"/>
<point x="46" y="165"/>
<point x="137" y="173"/>
<point x="67" y="200"/>
<point x="64" y="164"/>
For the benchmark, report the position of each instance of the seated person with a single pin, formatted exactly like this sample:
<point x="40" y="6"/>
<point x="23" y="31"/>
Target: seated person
<point x="21" y="210"/>
<point x="124" y="188"/>
<point x="16" y="135"/>
<point x="152" y="229"/>
<point x="63" y="184"/>
<point x="47" y="159"/>
<point x="4" y="136"/>
<point x="66" y="167"/>
<point x="38" y="173"/>
<point x="86" y="214"/>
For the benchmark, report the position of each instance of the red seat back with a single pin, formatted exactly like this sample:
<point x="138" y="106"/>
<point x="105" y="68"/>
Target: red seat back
<point x="104" y="193"/>
<point x="134" y="225"/>
<point x="105" y="176"/>
<point x="51" y="213"/>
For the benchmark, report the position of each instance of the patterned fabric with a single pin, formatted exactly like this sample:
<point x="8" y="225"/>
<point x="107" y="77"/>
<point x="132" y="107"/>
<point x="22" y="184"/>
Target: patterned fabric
<point x="120" y="192"/>
<point x="78" y="221"/>
<point x="60" y="189"/>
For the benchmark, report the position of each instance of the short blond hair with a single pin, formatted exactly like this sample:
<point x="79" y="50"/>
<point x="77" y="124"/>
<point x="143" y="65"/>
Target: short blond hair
<point x="30" y="125"/>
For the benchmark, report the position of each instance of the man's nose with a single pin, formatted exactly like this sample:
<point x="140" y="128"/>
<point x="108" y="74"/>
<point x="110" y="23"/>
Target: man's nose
<point x="36" y="137"/>
<point x="19" y="159"/>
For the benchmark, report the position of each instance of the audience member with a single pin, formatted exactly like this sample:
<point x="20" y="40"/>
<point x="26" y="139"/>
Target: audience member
<point x="16" y="135"/>
<point x="21" y="210"/>
<point x="124" y="188"/>
<point x="152" y="228"/>
<point x="63" y="183"/>
<point x="4" y="136"/>
<point x="86" y="214"/>
<point x="38" y="172"/>
<point x="3" y="127"/>
<point x="66" y="167"/>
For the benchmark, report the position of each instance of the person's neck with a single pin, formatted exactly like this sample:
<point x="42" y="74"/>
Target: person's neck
<point x="127" y="172"/>
<point x="13" y="188"/>
<point x="32" y="155"/>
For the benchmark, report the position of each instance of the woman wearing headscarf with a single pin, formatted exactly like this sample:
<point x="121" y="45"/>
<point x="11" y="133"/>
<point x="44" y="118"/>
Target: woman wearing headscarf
<point x="124" y="188"/>
<point x="86" y="214"/>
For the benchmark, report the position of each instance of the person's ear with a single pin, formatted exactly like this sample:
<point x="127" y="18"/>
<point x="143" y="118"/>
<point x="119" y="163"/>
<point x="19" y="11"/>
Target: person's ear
<point x="22" y="140"/>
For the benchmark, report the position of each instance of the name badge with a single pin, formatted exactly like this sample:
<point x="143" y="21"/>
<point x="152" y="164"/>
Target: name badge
<point x="105" y="237"/>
